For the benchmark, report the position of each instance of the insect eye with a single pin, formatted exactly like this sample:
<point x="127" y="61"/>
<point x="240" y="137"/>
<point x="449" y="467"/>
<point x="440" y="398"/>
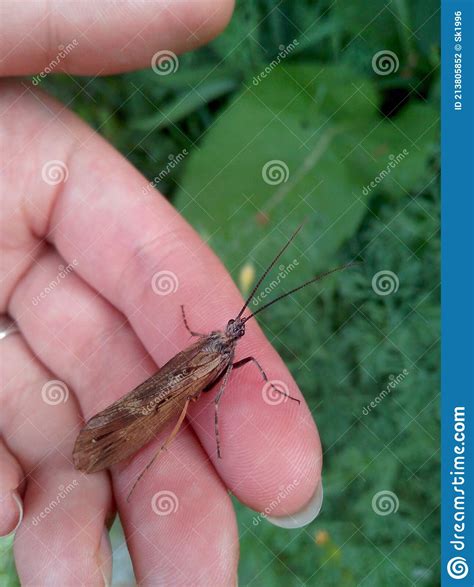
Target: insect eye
<point x="231" y="321"/>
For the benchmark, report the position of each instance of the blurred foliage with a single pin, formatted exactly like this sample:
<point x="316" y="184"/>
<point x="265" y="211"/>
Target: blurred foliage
<point x="335" y="124"/>
<point x="8" y="577"/>
<point x="327" y="146"/>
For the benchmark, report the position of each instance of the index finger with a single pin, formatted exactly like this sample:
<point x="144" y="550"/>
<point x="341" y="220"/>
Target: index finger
<point x="88" y="38"/>
<point x="129" y="248"/>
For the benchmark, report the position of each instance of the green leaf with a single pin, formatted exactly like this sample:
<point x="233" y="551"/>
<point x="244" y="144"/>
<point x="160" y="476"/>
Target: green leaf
<point x="326" y="138"/>
<point x="183" y="105"/>
<point x="402" y="147"/>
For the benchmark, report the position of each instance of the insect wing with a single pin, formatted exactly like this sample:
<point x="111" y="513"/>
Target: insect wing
<point x="132" y="421"/>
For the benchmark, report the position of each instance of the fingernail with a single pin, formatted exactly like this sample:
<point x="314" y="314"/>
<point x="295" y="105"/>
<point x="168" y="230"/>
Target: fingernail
<point x="105" y="558"/>
<point x="305" y="516"/>
<point x="15" y="497"/>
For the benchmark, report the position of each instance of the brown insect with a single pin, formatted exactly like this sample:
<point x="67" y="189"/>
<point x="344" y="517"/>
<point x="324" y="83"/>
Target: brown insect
<point x="132" y="421"/>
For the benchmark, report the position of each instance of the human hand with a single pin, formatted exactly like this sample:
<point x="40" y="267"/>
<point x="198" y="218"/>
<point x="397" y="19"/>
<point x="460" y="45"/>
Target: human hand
<point x="103" y="329"/>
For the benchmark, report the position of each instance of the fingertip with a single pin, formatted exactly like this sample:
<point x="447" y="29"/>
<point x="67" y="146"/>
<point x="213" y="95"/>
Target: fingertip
<point x="272" y="456"/>
<point x="120" y="36"/>
<point x="11" y="512"/>
<point x="307" y="514"/>
<point x="105" y="557"/>
<point x="11" y="503"/>
<point x="208" y="19"/>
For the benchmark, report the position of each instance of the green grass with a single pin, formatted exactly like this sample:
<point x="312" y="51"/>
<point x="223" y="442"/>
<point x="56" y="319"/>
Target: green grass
<point x="346" y="341"/>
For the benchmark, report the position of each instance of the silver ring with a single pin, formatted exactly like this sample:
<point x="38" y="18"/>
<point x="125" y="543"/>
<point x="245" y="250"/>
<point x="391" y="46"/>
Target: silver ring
<point x="7" y="326"/>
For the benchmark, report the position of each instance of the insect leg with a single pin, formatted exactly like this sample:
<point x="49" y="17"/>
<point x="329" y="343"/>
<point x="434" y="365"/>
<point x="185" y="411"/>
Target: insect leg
<point x="163" y="446"/>
<point x="243" y="362"/>
<point x="191" y="332"/>
<point x="216" y="405"/>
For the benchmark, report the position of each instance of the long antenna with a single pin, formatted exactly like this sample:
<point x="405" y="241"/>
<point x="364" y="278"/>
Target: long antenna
<point x="317" y="278"/>
<point x="265" y="273"/>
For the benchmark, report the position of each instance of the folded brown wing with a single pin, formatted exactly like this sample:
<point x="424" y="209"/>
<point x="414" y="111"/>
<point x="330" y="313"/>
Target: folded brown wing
<point x="131" y="422"/>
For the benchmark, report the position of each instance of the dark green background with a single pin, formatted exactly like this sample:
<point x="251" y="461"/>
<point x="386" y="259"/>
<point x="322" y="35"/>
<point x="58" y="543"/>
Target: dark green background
<point x="335" y="123"/>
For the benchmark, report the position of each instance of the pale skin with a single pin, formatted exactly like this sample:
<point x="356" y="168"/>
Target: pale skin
<point x="104" y="330"/>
